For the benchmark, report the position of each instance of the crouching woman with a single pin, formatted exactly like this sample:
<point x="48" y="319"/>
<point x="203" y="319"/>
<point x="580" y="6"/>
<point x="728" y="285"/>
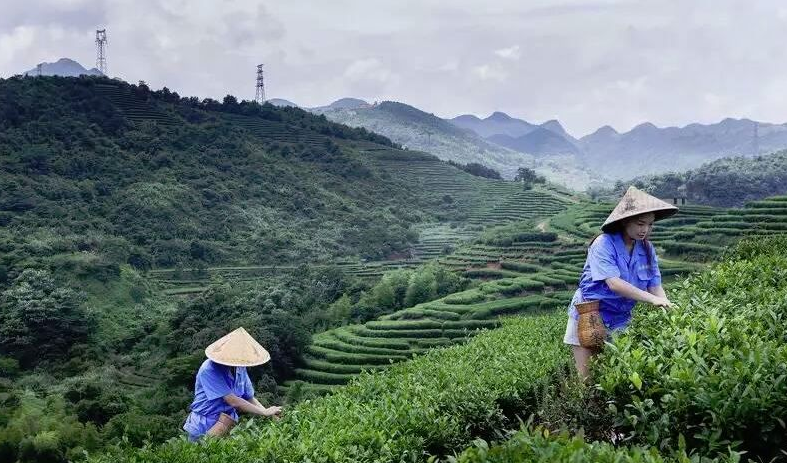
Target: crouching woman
<point x="223" y="388"/>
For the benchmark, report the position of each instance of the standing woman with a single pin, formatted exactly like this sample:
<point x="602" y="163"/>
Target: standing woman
<point x="621" y="269"/>
<point x="223" y="388"/>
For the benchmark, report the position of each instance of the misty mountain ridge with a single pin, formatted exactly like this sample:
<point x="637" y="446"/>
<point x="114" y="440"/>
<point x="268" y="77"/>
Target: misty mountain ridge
<point x="423" y="131"/>
<point x="645" y="149"/>
<point x="648" y="149"/>
<point x="541" y="141"/>
<point x="341" y="104"/>
<point x="281" y="103"/>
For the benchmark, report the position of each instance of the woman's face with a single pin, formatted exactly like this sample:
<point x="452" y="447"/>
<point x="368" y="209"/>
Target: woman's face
<point x="639" y="227"/>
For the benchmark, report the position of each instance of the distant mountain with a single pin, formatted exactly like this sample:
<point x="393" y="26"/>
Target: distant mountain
<point x="419" y="130"/>
<point x="281" y="103"/>
<point x="64" y="67"/>
<point x="540" y="141"/>
<point x="498" y="123"/>
<point x="647" y="149"/>
<point x="546" y="139"/>
<point x="556" y="127"/>
<point x="342" y="104"/>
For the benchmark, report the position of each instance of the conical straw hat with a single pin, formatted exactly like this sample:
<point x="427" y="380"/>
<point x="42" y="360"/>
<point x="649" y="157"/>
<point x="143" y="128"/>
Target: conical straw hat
<point x="237" y="349"/>
<point x="636" y="202"/>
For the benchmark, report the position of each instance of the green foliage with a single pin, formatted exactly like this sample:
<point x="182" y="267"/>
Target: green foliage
<point x="221" y="309"/>
<point x="42" y="429"/>
<point x="151" y="187"/>
<point x="135" y="428"/>
<point x="528" y="177"/>
<point x="407" y="288"/>
<point x="518" y="232"/>
<point x="709" y="374"/>
<point x="40" y="319"/>
<point x="729" y="182"/>
<point x="479" y="170"/>
<point x="420" y="406"/>
<point x="539" y="445"/>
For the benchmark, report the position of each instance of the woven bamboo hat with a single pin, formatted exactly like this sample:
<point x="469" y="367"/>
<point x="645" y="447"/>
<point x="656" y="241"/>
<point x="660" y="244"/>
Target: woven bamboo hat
<point x="636" y="202"/>
<point x="237" y="349"/>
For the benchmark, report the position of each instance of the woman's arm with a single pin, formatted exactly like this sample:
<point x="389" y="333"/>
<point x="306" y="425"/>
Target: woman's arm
<point x="244" y="405"/>
<point x="658" y="291"/>
<point x="626" y="289"/>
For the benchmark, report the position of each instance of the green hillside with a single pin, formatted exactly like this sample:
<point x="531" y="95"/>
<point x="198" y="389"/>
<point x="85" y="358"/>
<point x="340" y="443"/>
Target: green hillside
<point x="423" y="131"/>
<point x="727" y="182"/>
<point x="520" y="267"/>
<point x="701" y="382"/>
<point x="137" y="226"/>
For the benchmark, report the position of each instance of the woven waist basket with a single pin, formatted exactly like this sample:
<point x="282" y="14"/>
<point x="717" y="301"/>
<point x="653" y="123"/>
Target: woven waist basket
<point x="222" y="427"/>
<point x="590" y="329"/>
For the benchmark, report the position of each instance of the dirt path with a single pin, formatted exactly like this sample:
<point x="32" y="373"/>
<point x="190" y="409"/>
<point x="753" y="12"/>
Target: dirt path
<point x="542" y="226"/>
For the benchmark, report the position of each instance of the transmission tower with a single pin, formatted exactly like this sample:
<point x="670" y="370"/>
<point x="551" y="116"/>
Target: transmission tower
<point x="429" y="134"/>
<point x="101" y="49"/>
<point x="39" y="67"/>
<point x="756" y="138"/>
<point x="259" y="97"/>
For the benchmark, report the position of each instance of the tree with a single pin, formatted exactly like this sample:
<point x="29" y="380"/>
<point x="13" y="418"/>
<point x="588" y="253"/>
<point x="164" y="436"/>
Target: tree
<point x="528" y="177"/>
<point x="39" y="319"/>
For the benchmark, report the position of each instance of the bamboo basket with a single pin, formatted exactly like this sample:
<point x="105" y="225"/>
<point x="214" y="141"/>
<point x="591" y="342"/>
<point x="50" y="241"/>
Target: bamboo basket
<point x="590" y="329"/>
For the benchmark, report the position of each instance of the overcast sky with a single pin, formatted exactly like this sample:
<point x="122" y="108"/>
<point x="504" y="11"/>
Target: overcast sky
<point x="586" y="63"/>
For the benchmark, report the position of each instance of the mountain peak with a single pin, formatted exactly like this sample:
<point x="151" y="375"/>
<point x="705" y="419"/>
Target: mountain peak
<point x="65" y="67"/>
<point x="67" y="61"/>
<point x="281" y="102"/>
<point x="645" y="126"/>
<point x="466" y="118"/>
<point x="554" y="126"/>
<point x="498" y="116"/>
<point x="607" y="129"/>
<point x="348" y="103"/>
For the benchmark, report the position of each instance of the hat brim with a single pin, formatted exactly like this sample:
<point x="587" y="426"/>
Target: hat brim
<point x="237" y="363"/>
<point x="660" y="214"/>
<point x="237" y="349"/>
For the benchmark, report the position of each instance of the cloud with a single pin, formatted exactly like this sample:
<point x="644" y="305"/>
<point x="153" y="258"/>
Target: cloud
<point x="489" y="72"/>
<point x="510" y="53"/>
<point x="370" y="69"/>
<point x="15" y="42"/>
<point x="586" y="62"/>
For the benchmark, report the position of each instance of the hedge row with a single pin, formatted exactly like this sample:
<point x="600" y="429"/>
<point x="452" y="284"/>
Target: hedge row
<point x="712" y="373"/>
<point x="538" y="445"/>
<point x="433" y="404"/>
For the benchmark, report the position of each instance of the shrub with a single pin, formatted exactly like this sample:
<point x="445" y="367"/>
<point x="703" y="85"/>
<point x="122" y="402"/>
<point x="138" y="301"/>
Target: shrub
<point x="420" y="406"/>
<point x="40" y="319"/>
<point x="709" y="374"/>
<point x="539" y="445"/>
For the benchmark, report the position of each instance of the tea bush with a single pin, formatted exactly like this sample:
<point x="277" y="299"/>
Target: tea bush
<point x="710" y="374"/>
<point x="538" y="445"/>
<point x="431" y="405"/>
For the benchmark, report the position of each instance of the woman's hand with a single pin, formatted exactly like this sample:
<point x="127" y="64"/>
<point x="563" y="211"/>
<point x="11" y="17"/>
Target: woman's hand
<point x="272" y="411"/>
<point x="661" y="302"/>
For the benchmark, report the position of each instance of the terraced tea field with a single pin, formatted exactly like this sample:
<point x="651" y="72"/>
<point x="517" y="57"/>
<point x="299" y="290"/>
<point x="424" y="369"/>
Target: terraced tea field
<point x="132" y="107"/>
<point x="477" y="202"/>
<point x="534" y="270"/>
<point x="278" y="131"/>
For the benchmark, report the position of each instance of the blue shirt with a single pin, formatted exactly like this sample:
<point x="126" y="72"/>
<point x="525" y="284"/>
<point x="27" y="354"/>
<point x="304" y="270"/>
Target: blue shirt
<point x="214" y="381"/>
<point x="607" y="258"/>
